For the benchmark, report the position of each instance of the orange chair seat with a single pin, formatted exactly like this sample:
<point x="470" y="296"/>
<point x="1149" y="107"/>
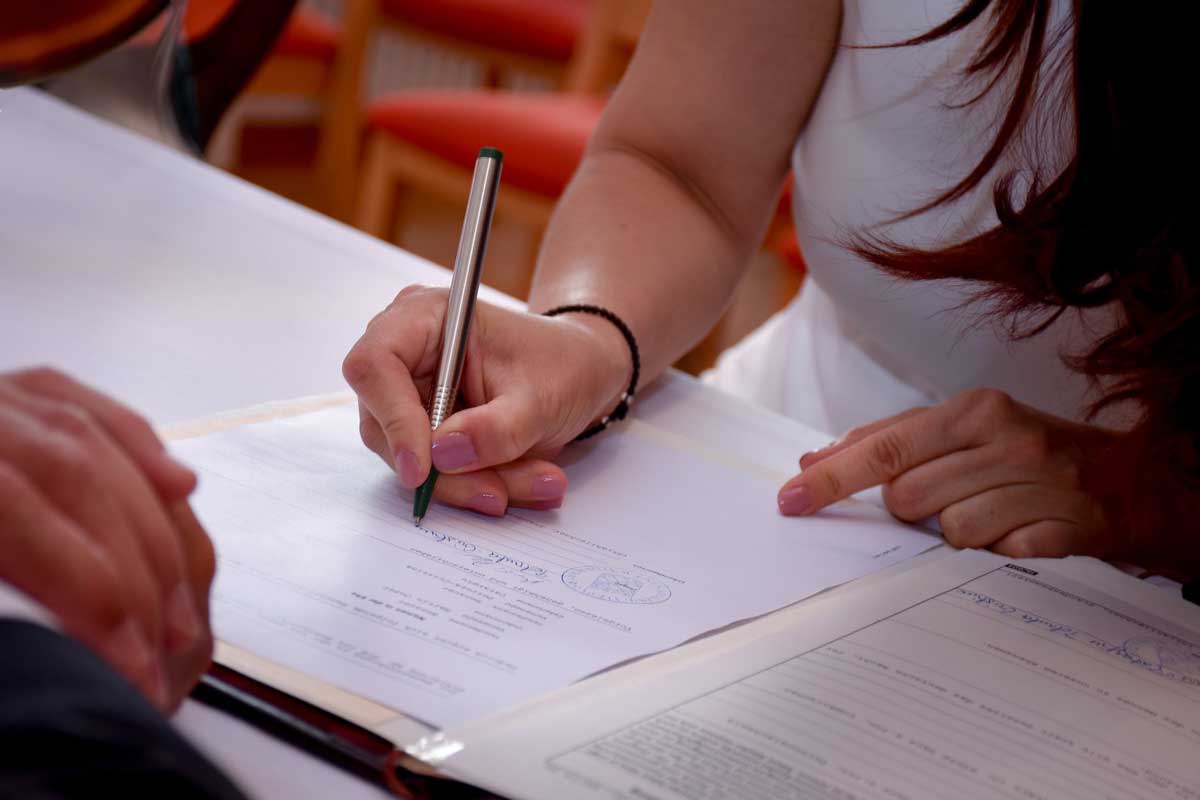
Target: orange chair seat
<point x="309" y="34"/>
<point x="201" y="16"/>
<point x="542" y="135"/>
<point x="786" y="245"/>
<point x="543" y="28"/>
<point x="782" y="240"/>
<point x="785" y="197"/>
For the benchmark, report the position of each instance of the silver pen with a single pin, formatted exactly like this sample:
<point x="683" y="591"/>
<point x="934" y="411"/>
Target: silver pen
<point x="464" y="287"/>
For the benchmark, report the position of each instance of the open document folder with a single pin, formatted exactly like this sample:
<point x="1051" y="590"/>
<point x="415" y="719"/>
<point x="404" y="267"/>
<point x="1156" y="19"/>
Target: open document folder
<point x="961" y="675"/>
<point x="969" y="676"/>
<point x="322" y="572"/>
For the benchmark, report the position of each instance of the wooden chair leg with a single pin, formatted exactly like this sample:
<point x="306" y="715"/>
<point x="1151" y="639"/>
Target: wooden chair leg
<point x="341" y="127"/>
<point x="493" y="76"/>
<point x="376" y="213"/>
<point x="225" y="144"/>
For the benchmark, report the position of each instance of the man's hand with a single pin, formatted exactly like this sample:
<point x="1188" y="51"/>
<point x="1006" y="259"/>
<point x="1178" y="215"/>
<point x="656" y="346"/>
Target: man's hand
<point x="95" y="526"/>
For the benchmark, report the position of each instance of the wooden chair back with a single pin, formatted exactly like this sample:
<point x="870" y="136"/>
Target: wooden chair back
<point x="497" y="61"/>
<point x="609" y="40"/>
<point x="596" y="65"/>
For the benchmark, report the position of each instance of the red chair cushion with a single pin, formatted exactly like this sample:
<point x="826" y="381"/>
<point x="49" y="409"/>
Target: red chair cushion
<point x="785" y="197"/>
<point x="543" y="28"/>
<point x="785" y="245"/>
<point x="309" y="34"/>
<point x="542" y="134"/>
<point x="201" y="16"/>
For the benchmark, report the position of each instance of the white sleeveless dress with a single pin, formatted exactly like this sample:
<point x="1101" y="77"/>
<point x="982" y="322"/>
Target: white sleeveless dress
<point x="857" y="345"/>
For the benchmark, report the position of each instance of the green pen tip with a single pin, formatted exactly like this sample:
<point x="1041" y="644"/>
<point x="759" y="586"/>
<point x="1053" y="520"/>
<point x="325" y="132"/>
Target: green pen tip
<point x="491" y="152"/>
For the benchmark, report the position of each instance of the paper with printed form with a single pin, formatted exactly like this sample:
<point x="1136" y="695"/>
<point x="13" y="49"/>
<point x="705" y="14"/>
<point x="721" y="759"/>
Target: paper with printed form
<point x="322" y="570"/>
<point x="968" y="677"/>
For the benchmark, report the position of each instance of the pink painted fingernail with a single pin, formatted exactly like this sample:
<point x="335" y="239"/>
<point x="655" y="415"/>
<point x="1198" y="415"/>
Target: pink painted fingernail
<point x="548" y="487"/>
<point x="487" y="503"/>
<point x="795" y="501"/>
<point x="183" y="623"/>
<point x="408" y="469"/>
<point x="545" y="505"/>
<point x="454" y="451"/>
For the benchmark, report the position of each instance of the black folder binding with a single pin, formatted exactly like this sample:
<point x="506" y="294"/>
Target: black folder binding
<point x="319" y="733"/>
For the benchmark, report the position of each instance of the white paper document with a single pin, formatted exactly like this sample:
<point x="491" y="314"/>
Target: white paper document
<point x="969" y="677"/>
<point x="322" y="570"/>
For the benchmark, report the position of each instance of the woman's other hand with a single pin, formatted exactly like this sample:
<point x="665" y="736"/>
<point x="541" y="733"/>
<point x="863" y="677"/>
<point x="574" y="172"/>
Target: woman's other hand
<point x="530" y="384"/>
<point x="997" y="474"/>
<point x="94" y="525"/>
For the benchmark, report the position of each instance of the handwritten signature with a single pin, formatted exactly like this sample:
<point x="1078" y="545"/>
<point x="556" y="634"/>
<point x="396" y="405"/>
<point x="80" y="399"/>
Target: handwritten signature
<point x="1160" y="657"/>
<point x="484" y="557"/>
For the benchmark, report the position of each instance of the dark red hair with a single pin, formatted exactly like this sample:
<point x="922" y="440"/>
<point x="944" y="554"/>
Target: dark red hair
<point x="1117" y="227"/>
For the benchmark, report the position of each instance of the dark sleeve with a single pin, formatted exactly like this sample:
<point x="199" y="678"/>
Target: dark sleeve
<point x="72" y="727"/>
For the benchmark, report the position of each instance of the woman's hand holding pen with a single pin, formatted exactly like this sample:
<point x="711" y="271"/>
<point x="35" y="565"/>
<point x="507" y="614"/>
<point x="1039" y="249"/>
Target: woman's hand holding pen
<point x="95" y="526"/>
<point x="530" y="384"/>
<point x="996" y="473"/>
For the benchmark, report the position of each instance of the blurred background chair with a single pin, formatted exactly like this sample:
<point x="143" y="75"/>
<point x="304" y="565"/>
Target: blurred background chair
<point x="303" y="111"/>
<point x="418" y="145"/>
<point x="425" y="142"/>
<point x="508" y="37"/>
<point x="372" y="111"/>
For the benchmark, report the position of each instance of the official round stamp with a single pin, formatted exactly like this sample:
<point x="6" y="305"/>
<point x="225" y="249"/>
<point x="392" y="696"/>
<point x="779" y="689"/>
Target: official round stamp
<point x="616" y="585"/>
<point x="1168" y="659"/>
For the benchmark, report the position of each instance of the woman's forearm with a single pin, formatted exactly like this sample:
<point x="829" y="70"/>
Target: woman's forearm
<point x="629" y="236"/>
<point x="682" y="174"/>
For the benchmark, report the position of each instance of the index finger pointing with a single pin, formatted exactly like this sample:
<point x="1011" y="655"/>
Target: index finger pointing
<point x="871" y="461"/>
<point x="856" y="435"/>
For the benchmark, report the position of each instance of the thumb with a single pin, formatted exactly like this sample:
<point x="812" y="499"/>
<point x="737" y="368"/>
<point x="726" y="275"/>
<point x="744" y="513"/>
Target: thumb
<point x="497" y="432"/>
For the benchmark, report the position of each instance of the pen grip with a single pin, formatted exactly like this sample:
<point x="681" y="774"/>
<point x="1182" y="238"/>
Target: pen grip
<point x="441" y="405"/>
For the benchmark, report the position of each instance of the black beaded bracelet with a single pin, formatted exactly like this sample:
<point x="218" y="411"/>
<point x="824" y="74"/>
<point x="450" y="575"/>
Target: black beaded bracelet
<point x="623" y="406"/>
